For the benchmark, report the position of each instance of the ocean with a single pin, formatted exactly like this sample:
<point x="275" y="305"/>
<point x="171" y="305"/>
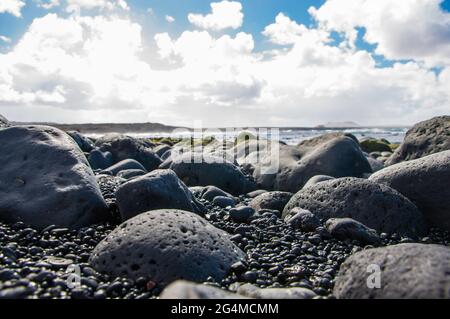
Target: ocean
<point x="291" y="136"/>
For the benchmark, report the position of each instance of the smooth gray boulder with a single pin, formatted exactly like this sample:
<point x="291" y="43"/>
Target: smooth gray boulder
<point x="203" y="170"/>
<point x="182" y="289"/>
<point x="271" y="200"/>
<point x="426" y="182"/>
<point x="85" y="144"/>
<point x="45" y="180"/>
<point x="123" y="165"/>
<point x="161" y="149"/>
<point x="324" y="138"/>
<point x="375" y="205"/>
<point x="164" y="246"/>
<point x="347" y="228"/>
<point x="407" y="271"/>
<point x="252" y="291"/>
<point x="125" y="147"/>
<point x="339" y="157"/>
<point x="210" y="192"/>
<point x="425" y="138"/>
<point x="317" y="179"/>
<point x="241" y="214"/>
<point x="159" y="189"/>
<point x="100" y="160"/>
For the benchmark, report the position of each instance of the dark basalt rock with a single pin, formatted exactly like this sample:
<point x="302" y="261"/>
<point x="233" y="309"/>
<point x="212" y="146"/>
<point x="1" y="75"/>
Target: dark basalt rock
<point x="131" y="173"/>
<point x="85" y="144"/>
<point x="407" y="271"/>
<point x="156" y="190"/>
<point x="425" y="138"/>
<point x="122" y="166"/>
<point x="347" y="228"/>
<point x="203" y="170"/>
<point x="125" y="147"/>
<point x="182" y="289"/>
<point x="166" y="245"/>
<point x="46" y="180"/>
<point x="100" y="160"/>
<point x="425" y="182"/>
<point x="271" y="200"/>
<point x="3" y="122"/>
<point x="375" y="205"/>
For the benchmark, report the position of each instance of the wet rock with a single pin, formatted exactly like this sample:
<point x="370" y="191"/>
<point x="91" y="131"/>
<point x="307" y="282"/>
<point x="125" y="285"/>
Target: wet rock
<point x="122" y="166"/>
<point x="425" y="138"/>
<point x="166" y="245"/>
<point x="406" y="271"/>
<point x="271" y="200"/>
<point x="425" y="182"/>
<point x="125" y="147"/>
<point x="210" y="192"/>
<point x="203" y="170"/>
<point x="3" y="122"/>
<point x="338" y="157"/>
<point x="100" y="160"/>
<point x="46" y="180"/>
<point x="85" y="144"/>
<point x="347" y="228"/>
<point x="375" y="205"/>
<point x="156" y="190"/>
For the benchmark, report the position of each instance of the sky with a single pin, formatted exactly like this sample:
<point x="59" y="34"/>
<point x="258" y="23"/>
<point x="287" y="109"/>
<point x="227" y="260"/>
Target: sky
<point x="225" y="63"/>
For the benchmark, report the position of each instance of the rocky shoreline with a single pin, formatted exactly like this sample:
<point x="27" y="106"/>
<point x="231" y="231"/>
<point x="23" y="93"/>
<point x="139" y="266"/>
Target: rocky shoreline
<point x="120" y="217"/>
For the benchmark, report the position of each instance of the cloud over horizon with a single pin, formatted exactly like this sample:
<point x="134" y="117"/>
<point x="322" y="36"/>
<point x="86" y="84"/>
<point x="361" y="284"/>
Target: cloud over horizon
<point x="104" y="67"/>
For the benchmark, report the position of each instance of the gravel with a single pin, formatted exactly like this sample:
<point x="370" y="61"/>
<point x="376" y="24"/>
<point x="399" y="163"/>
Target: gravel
<point x="52" y="263"/>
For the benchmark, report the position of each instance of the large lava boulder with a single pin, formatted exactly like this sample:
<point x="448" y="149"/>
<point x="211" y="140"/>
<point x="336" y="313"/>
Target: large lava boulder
<point x="125" y="147"/>
<point x="426" y="182"/>
<point x="164" y="246"/>
<point x="45" y="180"/>
<point x="156" y="190"/>
<point x="375" y="205"/>
<point x="405" y="271"/>
<point x="338" y="157"/>
<point x="425" y="138"/>
<point x="197" y="169"/>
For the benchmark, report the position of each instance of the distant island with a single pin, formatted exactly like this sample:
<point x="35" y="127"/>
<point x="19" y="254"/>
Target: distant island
<point x="348" y="124"/>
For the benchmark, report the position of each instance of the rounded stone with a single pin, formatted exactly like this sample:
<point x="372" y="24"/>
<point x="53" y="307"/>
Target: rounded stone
<point x="425" y="138"/>
<point x="123" y="165"/>
<point x="46" y="180"/>
<point x="375" y="205"/>
<point x="425" y="182"/>
<point x="405" y="271"/>
<point x="166" y="245"/>
<point x="271" y="200"/>
<point x="159" y="189"/>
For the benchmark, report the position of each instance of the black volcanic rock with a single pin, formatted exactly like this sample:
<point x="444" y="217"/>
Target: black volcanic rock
<point x="425" y="138"/>
<point x="46" y="180"/>
<point x="166" y="245"/>
<point x="375" y="205"/>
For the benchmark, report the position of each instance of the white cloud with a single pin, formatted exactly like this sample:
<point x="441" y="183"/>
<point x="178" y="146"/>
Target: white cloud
<point x="96" y="68"/>
<point x="13" y="7"/>
<point x="78" y="5"/>
<point x="224" y="15"/>
<point x="402" y="29"/>
<point x="169" y="19"/>
<point x="5" y="39"/>
<point x="49" y="4"/>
